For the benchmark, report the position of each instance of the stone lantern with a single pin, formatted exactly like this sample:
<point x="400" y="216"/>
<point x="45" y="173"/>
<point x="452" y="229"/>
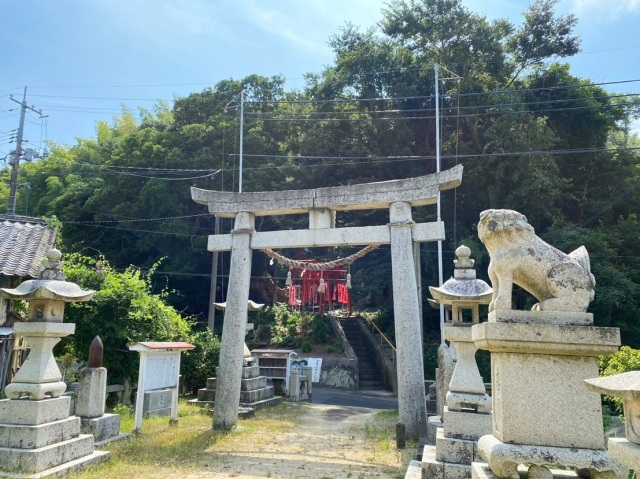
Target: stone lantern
<point x="467" y="414"/>
<point x="39" y="438"/>
<point x="40" y="376"/>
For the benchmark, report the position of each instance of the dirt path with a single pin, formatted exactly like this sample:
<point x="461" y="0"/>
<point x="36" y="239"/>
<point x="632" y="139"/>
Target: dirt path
<point x="328" y="442"/>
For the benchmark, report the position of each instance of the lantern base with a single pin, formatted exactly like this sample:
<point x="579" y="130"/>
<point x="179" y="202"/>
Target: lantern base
<point x="35" y="392"/>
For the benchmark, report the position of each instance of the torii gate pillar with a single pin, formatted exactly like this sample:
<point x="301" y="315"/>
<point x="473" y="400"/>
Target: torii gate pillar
<point x="410" y="363"/>
<point x="235" y="321"/>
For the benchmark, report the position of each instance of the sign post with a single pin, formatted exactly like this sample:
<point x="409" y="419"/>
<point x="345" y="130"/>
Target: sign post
<point x="159" y="369"/>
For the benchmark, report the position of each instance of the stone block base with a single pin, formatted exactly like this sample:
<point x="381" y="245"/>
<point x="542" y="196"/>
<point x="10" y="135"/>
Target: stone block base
<point x="504" y="459"/>
<point x="414" y="471"/>
<point x="207" y="394"/>
<point x="95" y="458"/>
<point x="253" y="383"/>
<point x="434" y="469"/>
<point x="465" y="402"/>
<point x="32" y="461"/>
<point x="247" y="397"/>
<point x="433" y="424"/>
<point x="33" y="437"/>
<point x="102" y="428"/>
<point x="625" y="452"/>
<point x="33" y="413"/>
<point x="466" y="425"/>
<point x="458" y="451"/>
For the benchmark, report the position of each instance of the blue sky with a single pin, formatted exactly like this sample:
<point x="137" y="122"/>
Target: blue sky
<point x="82" y="59"/>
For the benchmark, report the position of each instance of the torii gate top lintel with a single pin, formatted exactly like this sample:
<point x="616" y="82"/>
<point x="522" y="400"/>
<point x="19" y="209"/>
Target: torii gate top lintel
<point x="418" y="191"/>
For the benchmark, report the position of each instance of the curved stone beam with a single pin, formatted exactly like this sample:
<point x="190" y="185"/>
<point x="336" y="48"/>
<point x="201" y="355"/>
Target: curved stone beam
<point x="419" y="191"/>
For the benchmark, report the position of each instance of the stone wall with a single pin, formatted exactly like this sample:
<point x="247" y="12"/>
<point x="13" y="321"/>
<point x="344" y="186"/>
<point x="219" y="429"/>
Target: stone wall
<point x="340" y="373"/>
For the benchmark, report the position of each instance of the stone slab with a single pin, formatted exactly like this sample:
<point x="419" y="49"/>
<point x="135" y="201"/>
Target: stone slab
<point x="505" y="458"/>
<point x="466" y="425"/>
<point x="93" y="459"/>
<point x="542" y="400"/>
<point x="625" y="452"/>
<point x="431" y="467"/>
<point x="451" y="450"/>
<point x="253" y="383"/>
<point x="157" y="403"/>
<point x="37" y="460"/>
<point x="33" y="437"/>
<point x="457" y="471"/>
<point x="247" y="397"/>
<point x="546" y="339"/>
<point x="433" y="424"/>
<point x="481" y="470"/>
<point x="211" y="383"/>
<point x="249" y="372"/>
<point x="414" y="471"/>
<point x="102" y="428"/>
<point x="541" y="317"/>
<point x="208" y="395"/>
<point x="33" y="413"/>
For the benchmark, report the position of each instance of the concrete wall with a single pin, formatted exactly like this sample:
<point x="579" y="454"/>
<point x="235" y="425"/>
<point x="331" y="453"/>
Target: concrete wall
<point x="388" y="370"/>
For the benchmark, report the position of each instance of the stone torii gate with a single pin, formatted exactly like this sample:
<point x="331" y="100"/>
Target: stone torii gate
<point x="399" y="196"/>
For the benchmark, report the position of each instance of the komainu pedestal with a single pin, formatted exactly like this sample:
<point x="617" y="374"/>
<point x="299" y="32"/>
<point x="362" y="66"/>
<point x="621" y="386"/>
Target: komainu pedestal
<point x="543" y="414"/>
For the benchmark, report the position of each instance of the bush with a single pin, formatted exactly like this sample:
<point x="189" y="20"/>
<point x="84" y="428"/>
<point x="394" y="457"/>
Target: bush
<point x="122" y="311"/>
<point x="306" y="346"/>
<point x="279" y="325"/>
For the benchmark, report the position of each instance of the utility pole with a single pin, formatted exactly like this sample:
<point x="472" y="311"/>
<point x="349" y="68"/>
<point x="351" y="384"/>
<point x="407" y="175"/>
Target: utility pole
<point x="440" y="279"/>
<point x="11" y="204"/>
<point x="241" y="137"/>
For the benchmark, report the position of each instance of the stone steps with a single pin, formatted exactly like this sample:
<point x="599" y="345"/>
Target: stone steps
<point x="368" y="371"/>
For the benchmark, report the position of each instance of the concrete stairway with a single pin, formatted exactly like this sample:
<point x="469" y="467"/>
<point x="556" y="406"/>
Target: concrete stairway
<point x="368" y="371"/>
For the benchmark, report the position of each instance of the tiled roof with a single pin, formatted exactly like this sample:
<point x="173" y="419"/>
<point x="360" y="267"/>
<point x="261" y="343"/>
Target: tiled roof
<point x="23" y="243"/>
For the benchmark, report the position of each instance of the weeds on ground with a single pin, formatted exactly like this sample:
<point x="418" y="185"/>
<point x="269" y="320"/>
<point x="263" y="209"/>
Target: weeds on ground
<point x="184" y="448"/>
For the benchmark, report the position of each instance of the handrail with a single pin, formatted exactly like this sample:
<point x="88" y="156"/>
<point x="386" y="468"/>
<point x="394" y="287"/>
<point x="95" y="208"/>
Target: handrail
<point x="382" y="336"/>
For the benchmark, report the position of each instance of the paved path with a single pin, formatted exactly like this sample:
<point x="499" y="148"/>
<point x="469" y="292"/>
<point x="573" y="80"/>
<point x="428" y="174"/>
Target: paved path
<point x="373" y="399"/>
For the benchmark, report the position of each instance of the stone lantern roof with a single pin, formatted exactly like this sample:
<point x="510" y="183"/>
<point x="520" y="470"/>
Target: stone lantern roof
<point x="462" y="292"/>
<point x="50" y="285"/>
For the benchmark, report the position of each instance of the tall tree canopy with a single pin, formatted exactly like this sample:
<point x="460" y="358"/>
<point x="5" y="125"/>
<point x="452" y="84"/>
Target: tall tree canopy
<point x="531" y="135"/>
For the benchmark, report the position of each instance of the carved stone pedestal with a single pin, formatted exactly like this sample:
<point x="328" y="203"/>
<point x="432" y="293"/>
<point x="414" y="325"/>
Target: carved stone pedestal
<point x="543" y="413"/>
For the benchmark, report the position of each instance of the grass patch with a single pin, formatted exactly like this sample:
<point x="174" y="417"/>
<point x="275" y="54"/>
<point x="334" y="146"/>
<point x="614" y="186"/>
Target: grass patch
<point x="170" y="451"/>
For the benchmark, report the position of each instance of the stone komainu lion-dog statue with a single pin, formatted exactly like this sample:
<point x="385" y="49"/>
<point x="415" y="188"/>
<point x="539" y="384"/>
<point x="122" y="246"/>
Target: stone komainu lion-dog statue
<point x="560" y="282"/>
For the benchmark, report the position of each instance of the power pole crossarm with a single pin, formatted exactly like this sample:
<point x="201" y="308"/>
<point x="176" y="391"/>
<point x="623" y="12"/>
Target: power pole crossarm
<point x="11" y="204"/>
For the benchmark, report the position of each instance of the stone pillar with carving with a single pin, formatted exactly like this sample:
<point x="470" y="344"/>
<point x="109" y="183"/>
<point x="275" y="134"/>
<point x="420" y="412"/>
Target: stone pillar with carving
<point x="543" y="415"/>
<point x="39" y="436"/>
<point x="92" y="395"/>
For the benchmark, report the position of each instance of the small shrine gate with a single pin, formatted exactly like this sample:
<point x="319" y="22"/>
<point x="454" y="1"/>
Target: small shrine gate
<point x="399" y="196"/>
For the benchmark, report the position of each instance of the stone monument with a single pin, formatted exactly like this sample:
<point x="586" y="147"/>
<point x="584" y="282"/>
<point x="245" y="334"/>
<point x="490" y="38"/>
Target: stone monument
<point x="467" y="414"/>
<point x="92" y="396"/>
<point x="37" y="436"/>
<point x="625" y="386"/>
<point x="543" y="414"/>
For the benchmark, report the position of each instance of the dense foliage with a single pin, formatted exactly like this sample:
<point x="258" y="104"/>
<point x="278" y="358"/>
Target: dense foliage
<point x="124" y="311"/>
<point x="531" y="136"/>
<point x="281" y="326"/>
